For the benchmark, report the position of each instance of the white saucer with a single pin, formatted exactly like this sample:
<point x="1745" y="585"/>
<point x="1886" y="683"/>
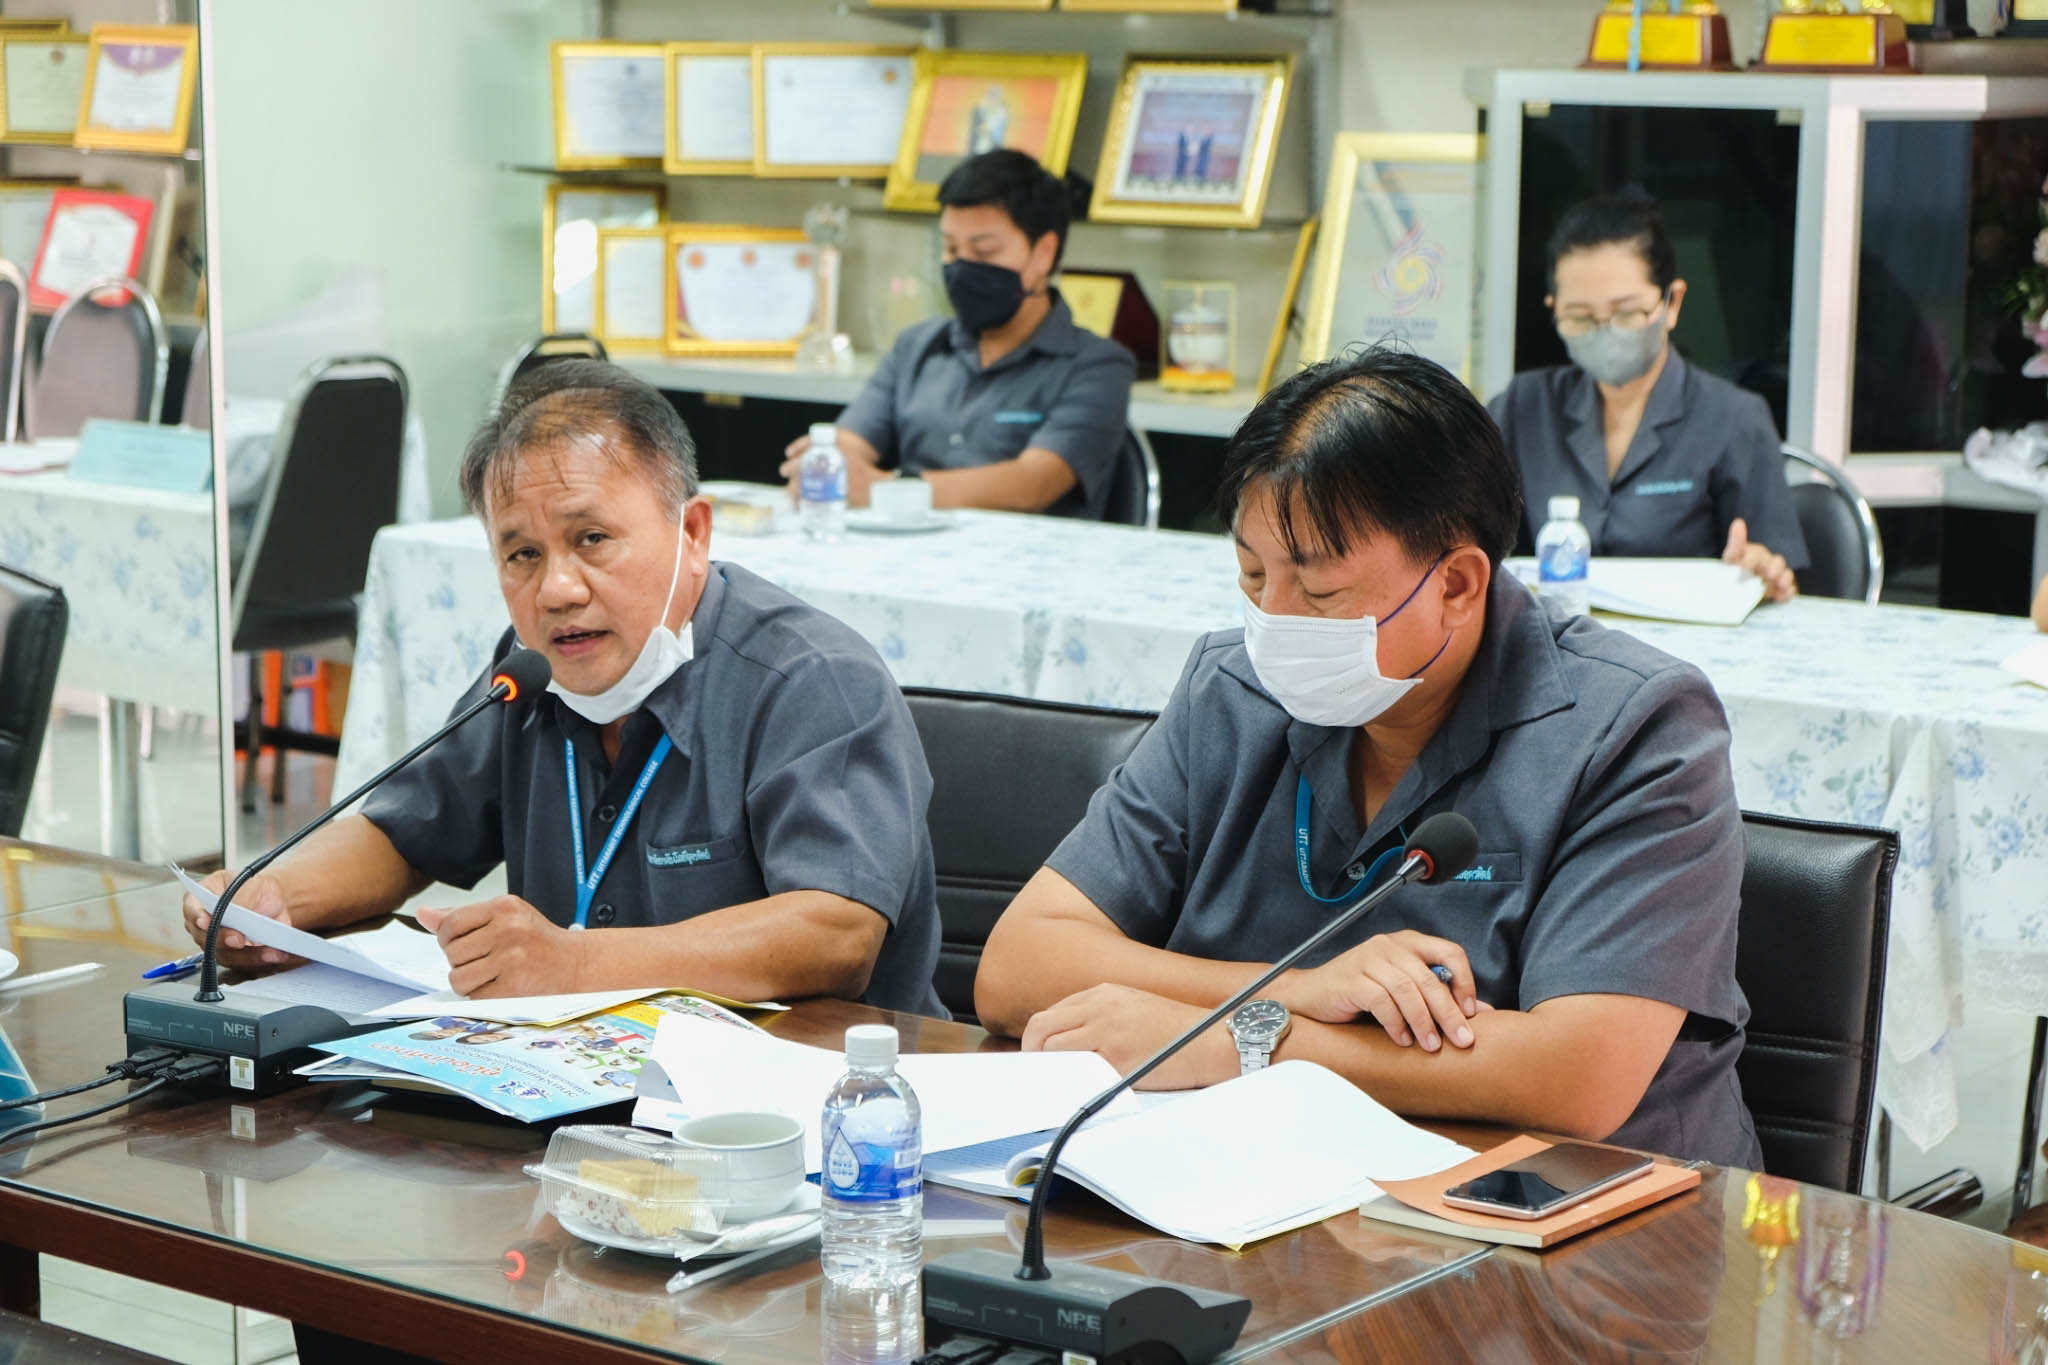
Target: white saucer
<point x="9" y="964"/>
<point x="807" y="1198"/>
<point x="865" y="519"/>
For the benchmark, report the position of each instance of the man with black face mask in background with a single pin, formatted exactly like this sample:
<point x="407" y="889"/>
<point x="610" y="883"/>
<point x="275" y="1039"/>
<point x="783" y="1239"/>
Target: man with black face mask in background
<point x="1007" y="404"/>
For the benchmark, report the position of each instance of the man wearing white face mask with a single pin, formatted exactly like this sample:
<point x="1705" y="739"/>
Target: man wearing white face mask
<point x="1580" y="978"/>
<point x="725" y="782"/>
<point x="1664" y="458"/>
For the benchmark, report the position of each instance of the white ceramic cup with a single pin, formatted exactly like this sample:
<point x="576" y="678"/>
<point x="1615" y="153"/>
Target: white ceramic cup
<point x="764" y="1158"/>
<point x="906" y="502"/>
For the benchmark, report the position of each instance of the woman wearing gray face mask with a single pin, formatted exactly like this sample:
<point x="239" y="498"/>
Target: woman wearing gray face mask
<point x="1664" y="458"/>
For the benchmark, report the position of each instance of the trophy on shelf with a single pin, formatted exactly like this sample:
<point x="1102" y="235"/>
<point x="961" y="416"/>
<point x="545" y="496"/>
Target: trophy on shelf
<point x="1690" y="35"/>
<point x="1834" y="36"/>
<point x="1201" y="317"/>
<point x="824" y="346"/>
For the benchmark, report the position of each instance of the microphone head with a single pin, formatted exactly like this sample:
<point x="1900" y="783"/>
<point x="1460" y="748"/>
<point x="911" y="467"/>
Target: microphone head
<point x="1448" y="842"/>
<point x="525" y="672"/>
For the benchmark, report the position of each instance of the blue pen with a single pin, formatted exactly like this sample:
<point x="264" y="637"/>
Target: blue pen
<point x="171" y="971"/>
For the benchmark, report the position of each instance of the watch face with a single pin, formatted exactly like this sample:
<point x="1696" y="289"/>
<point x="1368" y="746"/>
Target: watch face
<point x="1260" y="1021"/>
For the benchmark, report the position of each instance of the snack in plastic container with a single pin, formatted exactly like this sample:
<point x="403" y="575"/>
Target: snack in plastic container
<point x="627" y="1185"/>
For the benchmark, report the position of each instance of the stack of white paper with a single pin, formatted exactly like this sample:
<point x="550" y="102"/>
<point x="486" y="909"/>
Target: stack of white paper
<point x="966" y="1097"/>
<point x="1702" y="592"/>
<point x="1253" y="1157"/>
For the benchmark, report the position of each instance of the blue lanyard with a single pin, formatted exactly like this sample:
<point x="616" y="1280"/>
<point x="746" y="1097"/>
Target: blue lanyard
<point x="586" y="887"/>
<point x="1303" y="801"/>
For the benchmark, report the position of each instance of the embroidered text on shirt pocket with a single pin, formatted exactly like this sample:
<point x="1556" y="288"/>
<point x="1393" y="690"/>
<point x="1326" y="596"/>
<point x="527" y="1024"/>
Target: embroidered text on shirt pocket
<point x="1019" y="416"/>
<point x="1493" y="868"/>
<point x="1663" y="486"/>
<point x="693" y="854"/>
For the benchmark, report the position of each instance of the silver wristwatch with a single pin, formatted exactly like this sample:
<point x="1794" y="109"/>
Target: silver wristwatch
<point x="1258" y="1026"/>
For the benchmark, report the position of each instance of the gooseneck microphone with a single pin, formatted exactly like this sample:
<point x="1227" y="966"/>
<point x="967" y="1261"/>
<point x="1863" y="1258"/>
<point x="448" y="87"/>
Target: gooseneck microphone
<point x="523" y="674"/>
<point x="1107" y="1314"/>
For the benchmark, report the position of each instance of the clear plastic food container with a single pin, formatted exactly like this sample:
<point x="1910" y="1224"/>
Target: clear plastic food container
<point x="630" y="1188"/>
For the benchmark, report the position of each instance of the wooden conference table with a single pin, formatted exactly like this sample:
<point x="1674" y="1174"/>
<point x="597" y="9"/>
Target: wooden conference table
<point x="417" y="1229"/>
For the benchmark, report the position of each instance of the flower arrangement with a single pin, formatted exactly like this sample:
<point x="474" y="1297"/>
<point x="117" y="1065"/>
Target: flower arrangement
<point x="2030" y="296"/>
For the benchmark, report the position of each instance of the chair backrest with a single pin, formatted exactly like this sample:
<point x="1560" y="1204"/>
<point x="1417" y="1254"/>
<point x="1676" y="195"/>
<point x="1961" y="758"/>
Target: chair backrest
<point x="1810" y="955"/>
<point x="1010" y="779"/>
<point x="197" y="409"/>
<point x="33" y="616"/>
<point x="13" y="346"/>
<point x="1134" y="484"/>
<point x="332" y="484"/>
<point x="1845" y="553"/>
<point x="103" y="355"/>
<point x="542" y="349"/>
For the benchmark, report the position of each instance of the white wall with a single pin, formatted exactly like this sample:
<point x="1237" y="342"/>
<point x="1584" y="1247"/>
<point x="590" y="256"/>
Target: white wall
<point x="359" y="155"/>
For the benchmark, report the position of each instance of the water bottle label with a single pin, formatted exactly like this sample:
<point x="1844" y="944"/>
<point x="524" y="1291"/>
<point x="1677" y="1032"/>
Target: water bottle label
<point x="823" y="485"/>
<point x="1565" y="564"/>
<point x="870" y="1173"/>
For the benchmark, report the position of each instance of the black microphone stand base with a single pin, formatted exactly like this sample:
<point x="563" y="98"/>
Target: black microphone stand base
<point x="261" y="1041"/>
<point x="1115" y="1318"/>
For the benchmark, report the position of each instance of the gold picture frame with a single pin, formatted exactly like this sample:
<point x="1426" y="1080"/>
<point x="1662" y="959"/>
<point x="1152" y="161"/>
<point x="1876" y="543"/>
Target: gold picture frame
<point x="1424" y="187"/>
<point x="1034" y="92"/>
<point x="1297" y="267"/>
<point x="675" y="158"/>
<point x="630" y="145"/>
<point x="174" y="127"/>
<point x="1150" y="6"/>
<point x="606" y="324"/>
<point x="650" y="200"/>
<point x="784" y="298"/>
<point x="1223" y="122"/>
<point x="17" y="43"/>
<point x="868" y="69"/>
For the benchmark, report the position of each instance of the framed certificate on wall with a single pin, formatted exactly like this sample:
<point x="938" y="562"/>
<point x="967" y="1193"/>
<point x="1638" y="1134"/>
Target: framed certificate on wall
<point x="710" y="109"/>
<point x="138" y="88"/>
<point x="966" y="103"/>
<point x="42" y="84"/>
<point x="1399" y="253"/>
<point x="743" y="291"/>
<point x="829" y="109"/>
<point x="1192" y="141"/>
<point x="570" y="222"/>
<point x="631" y="278"/>
<point x="609" y="105"/>
<point x="91" y="235"/>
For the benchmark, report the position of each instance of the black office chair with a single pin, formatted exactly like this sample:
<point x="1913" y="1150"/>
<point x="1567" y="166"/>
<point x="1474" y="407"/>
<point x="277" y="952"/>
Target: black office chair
<point x="1010" y="779"/>
<point x="1134" y="486"/>
<point x="1845" y="553"/>
<point x="1815" y="925"/>
<point x="33" y="616"/>
<point x="13" y="346"/>
<point x="542" y="349"/>
<point x="332" y="484"/>
<point x="104" y="355"/>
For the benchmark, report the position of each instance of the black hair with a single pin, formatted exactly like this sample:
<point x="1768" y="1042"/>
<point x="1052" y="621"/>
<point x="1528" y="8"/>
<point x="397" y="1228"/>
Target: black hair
<point x="570" y="399"/>
<point x="1034" y="197"/>
<point x="1380" y="440"/>
<point x="1629" y="218"/>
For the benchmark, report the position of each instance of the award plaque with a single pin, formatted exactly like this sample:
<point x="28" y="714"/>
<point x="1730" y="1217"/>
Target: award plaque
<point x="2029" y="20"/>
<point x="1691" y="36"/>
<point x="1111" y="304"/>
<point x="1830" y="36"/>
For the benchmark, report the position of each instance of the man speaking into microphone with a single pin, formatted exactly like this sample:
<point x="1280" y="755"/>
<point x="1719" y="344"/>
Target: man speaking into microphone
<point x="723" y="788"/>
<point x="1579" y="978"/>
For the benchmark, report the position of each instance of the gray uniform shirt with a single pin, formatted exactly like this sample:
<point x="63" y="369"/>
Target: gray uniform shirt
<point x="1704" y="454"/>
<point x="931" y="405"/>
<point x="1596" y="770"/>
<point x="796" y="767"/>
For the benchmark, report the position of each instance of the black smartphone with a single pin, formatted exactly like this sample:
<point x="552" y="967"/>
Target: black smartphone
<point x="1555" y="1178"/>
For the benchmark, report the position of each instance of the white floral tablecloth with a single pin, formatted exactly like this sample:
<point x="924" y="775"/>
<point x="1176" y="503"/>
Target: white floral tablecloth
<point x="1878" y="715"/>
<point x="136" y="566"/>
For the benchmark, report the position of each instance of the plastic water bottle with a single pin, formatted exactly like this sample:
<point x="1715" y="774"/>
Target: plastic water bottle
<point x="821" y="485"/>
<point x="873" y="1180"/>
<point x="1564" y="557"/>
